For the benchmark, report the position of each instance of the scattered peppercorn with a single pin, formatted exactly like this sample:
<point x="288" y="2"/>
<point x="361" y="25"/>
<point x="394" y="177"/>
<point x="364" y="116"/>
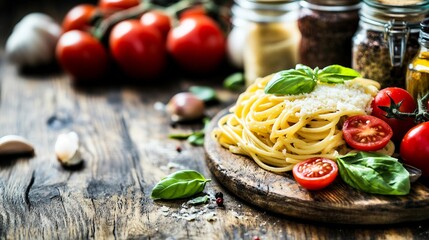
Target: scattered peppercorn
<point x="219" y="195"/>
<point x="219" y="201"/>
<point x="178" y="149"/>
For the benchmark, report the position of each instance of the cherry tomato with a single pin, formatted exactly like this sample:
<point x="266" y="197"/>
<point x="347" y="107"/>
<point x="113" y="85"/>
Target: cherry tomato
<point x="399" y="126"/>
<point x="82" y="55"/>
<point x="79" y="18"/>
<point x="414" y="149"/>
<point x="158" y="20"/>
<point x="139" y="50"/>
<point x="196" y="10"/>
<point x="197" y="44"/>
<point x="315" y="173"/>
<point x="366" y="133"/>
<point x="110" y="6"/>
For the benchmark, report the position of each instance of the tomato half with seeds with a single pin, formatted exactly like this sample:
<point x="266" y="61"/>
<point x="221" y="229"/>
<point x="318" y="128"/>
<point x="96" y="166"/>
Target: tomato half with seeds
<point x="315" y="173"/>
<point x="366" y="133"/>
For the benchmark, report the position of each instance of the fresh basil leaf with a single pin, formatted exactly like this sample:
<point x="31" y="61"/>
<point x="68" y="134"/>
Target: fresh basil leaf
<point x="234" y="82"/>
<point x="180" y="136"/>
<point x="374" y="173"/>
<point x="181" y="184"/>
<point x="204" y="93"/>
<point x="196" y="138"/>
<point x="198" y="200"/>
<point x="336" y="74"/>
<point x="292" y="81"/>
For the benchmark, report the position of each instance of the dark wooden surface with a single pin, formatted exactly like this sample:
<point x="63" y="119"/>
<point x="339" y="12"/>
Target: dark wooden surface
<point x="126" y="149"/>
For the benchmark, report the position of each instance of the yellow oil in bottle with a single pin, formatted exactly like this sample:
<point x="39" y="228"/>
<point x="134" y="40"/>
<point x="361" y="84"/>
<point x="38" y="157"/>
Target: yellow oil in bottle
<point x="417" y="78"/>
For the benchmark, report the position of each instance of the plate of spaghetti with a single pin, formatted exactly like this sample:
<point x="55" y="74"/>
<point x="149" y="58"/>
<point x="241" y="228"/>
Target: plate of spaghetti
<point x="253" y="146"/>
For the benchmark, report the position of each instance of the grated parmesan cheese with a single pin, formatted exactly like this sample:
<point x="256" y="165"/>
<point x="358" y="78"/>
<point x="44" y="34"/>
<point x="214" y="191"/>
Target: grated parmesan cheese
<point x="350" y="96"/>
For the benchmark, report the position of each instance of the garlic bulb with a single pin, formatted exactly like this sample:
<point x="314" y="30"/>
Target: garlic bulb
<point x="33" y="40"/>
<point x="185" y="106"/>
<point x="67" y="149"/>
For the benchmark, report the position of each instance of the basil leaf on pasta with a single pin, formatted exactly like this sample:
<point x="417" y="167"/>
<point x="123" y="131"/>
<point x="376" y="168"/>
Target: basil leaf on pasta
<point x="292" y="81"/>
<point x="336" y="74"/>
<point x="181" y="184"/>
<point x="374" y="173"/>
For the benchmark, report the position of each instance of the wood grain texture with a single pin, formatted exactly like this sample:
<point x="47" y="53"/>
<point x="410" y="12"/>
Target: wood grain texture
<point x="338" y="203"/>
<point x="126" y="150"/>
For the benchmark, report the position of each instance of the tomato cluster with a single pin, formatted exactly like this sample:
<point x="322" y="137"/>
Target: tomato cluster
<point x="139" y="47"/>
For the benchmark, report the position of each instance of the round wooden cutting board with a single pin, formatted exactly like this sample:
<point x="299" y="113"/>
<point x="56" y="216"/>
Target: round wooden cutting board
<point x="339" y="203"/>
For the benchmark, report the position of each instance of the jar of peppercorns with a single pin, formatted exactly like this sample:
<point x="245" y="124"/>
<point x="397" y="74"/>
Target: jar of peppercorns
<point x="327" y="28"/>
<point x="265" y="36"/>
<point x="387" y="39"/>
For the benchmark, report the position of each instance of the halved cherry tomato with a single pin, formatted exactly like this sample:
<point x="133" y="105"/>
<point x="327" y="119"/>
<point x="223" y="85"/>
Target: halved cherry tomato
<point x="158" y="20"/>
<point x="82" y="55"/>
<point x="408" y="105"/>
<point x="366" y="133"/>
<point x="79" y="18"/>
<point x="414" y="148"/>
<point x="315" y="173"/>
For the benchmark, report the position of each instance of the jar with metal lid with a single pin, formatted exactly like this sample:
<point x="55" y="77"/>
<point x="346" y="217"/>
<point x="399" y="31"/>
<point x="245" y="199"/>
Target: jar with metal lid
<point x="327" y="28"/>
<point x="417" y="77"/>
<point x="264" y="36"/>
<point x="387" y="39"/>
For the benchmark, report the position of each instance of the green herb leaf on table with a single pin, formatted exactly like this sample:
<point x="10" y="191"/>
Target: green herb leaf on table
<point x="204" y="93"/>
<point x="195" y="138"/>
<point x="198" y="200"/>
<point x="234" y="82"/>
<point x="181" y="184"/>
<point x="303" y="79"/>
<point x="374" y="173"/>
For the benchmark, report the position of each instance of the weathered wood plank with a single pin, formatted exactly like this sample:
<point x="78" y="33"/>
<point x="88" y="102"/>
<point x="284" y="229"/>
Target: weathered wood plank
<point x="126" y="149"/>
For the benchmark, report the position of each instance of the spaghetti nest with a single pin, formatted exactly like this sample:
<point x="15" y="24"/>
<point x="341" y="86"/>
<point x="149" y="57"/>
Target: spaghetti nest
<point x="279" y="131"/>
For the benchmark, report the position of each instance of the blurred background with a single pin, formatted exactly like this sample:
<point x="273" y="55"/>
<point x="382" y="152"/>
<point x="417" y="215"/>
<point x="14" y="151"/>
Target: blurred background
<point x="11" y="11"/>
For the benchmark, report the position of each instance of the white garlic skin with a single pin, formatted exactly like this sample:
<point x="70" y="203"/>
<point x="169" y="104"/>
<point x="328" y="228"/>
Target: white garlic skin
<point x="67" y="149"/>
<point x="33" y="40"/>
<point x="185" y="106"/>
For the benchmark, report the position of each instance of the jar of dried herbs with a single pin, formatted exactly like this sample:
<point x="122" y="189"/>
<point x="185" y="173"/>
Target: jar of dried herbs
<point x="327" y="28"/>
<point x="387" y="39"/>
<point x="417" y="77"/>
<point x="265" y="36"/>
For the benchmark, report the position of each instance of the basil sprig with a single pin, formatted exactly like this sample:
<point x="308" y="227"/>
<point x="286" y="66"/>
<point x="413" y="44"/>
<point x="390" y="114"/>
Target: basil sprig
<point x="303" y="79"/>
<point x="374" y="173"/>
<point x="181" y="184"/>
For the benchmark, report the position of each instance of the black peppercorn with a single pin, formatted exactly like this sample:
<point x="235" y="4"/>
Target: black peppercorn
<point x="219" y="195"/>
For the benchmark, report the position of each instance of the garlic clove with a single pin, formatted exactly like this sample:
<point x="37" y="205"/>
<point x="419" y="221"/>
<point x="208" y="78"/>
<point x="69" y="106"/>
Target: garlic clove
<point x="67" y="149"/>
<point x="13" y="144"/>
<point x="185" y="106"/>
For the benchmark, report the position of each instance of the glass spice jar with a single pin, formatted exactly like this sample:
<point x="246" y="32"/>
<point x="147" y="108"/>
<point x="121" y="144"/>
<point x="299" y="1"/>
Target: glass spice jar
<point x="387" y="39"/>
<point x="264" y="37"/>
<point x="417" y="77"/>
<point x="327" y="28"/>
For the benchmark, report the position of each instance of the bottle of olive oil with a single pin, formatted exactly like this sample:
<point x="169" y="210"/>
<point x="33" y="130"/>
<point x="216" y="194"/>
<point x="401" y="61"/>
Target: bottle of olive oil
<point x="417" y="78"/>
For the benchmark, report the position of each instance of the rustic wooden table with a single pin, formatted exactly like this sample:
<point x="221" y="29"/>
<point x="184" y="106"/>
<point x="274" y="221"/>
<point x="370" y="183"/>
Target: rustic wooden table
<point x="126" y="150"/>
